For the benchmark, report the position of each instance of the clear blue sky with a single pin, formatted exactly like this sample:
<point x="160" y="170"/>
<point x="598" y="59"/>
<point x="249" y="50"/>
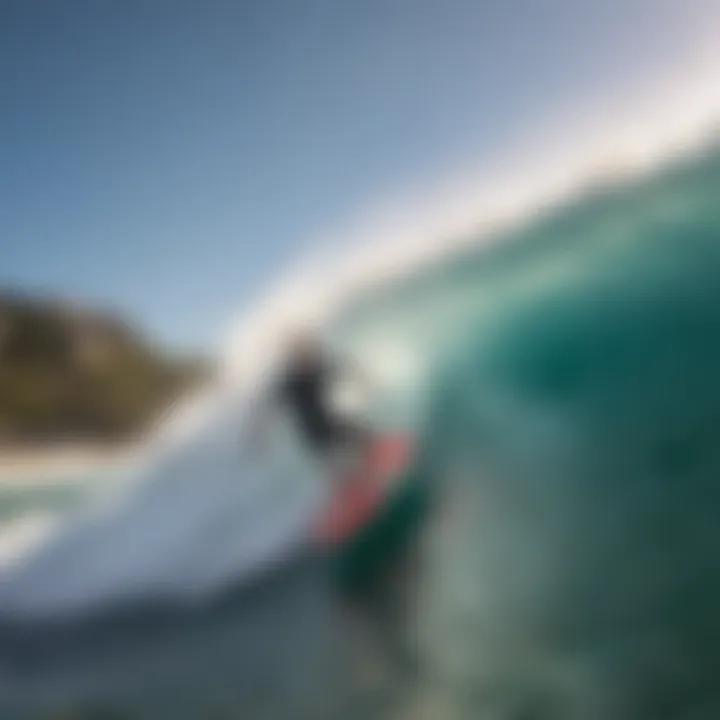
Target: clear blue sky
<point x="166" y="157"/>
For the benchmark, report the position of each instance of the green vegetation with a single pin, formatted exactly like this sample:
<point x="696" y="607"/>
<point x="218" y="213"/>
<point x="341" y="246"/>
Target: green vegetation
<point x="70" y="372"/>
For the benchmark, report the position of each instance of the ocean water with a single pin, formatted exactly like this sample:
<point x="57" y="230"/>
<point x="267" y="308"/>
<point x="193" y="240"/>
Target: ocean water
<point x="571" y="404"/>
<point x="572" y="419"/>
<point x="564" y="385"/>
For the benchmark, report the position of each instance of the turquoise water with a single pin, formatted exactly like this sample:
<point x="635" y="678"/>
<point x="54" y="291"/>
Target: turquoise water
<point x="564" y="383"/>
<point x="572" y="376"/>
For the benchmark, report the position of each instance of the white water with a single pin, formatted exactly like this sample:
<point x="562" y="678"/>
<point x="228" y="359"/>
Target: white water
<point x="195" y="516"/>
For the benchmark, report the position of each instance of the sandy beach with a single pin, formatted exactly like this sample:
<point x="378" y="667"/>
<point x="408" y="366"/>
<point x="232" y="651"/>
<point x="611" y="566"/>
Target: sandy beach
<point x="48" y="464"/>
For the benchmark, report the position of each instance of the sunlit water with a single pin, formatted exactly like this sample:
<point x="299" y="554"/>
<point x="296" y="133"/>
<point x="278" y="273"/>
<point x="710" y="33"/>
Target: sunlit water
<point x="564" y="384"/>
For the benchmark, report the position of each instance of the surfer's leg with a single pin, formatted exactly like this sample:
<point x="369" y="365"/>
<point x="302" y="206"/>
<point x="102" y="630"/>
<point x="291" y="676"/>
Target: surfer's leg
<point x="383" y="665"/>
<point x="391" y="605"/>
<point x="365" y="646"/>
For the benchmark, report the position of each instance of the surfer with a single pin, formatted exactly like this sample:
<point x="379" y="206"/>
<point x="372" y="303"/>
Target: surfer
<point x="376" y="612"/>
<point x="373" y="615"/>
<point x="303" y="388"/>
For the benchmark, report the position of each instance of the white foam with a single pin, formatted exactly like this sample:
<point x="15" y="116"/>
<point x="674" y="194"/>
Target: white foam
<point x="21" y="536"/>
<point x="196" y="520"/>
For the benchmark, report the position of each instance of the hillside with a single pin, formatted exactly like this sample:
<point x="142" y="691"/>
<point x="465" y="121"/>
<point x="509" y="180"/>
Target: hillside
<point x="72" y="372"/>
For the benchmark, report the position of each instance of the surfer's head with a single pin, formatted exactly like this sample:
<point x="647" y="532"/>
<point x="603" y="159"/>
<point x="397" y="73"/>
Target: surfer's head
<point x="303" y="347"/>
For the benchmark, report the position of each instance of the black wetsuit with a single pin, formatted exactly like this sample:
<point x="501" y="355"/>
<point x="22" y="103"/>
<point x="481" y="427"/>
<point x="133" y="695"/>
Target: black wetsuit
<point x="304" y="392"/>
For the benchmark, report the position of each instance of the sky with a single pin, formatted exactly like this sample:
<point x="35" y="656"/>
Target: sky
<point x="169" y="158"/>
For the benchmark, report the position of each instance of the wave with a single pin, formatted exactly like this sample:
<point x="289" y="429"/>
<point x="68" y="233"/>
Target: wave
<point x="195" y="518"/>
<point x="194" y="514"/>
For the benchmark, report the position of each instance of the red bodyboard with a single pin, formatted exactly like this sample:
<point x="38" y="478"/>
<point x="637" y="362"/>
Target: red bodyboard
<point x="359" y="499"/>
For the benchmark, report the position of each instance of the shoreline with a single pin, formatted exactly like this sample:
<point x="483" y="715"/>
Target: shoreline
<point x="49" y="463"/>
